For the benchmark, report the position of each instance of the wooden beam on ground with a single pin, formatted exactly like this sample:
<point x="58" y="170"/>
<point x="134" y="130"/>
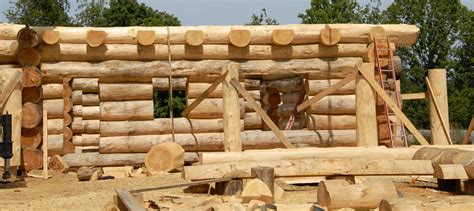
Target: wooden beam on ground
<point x="394" y="107"/>
<point x="326" y="92"/>
<point x="468" y="132"/>
<point x="312" y="167"/>
<point x="261" y="113"/>
<point x="204" y="95"/>
<point x="414" y="96"/>
<point x="128" y="200"/>
<point x="181" y="185"/>
<point x="45" y="144"/>
<point x="441" y="119"/>
<point x="9" y="89"/>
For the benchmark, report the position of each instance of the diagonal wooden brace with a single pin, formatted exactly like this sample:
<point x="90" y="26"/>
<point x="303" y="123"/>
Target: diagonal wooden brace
<point x="394" y="107"/>
<point x="203" y="96"/>
<point x="261" y="113"/>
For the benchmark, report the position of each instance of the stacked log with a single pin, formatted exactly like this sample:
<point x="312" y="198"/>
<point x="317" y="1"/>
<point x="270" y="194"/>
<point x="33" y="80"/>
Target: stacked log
<point x="28" y="56"/>
<point x="292" y="93"/>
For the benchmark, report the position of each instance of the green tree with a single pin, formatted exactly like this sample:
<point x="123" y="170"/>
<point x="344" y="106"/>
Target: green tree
<point x="331" y="11"/>
<point x="440" y="44"/>
<point x="371" y="12"/>
<point x="122" y="13"/>
<point x="39" y="12"/>
<point x="262" y="19"/>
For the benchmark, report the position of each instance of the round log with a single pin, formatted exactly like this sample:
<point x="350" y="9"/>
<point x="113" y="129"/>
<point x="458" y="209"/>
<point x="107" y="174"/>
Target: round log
<point x="331" y="122"/>
<point x="164" y="157"/>
<point x="330" y="36"/>
<point x="67" y="134"/>
<point x="55" y="144"/>
<point x="90" y="112"/>
<point x="67" y="105"/>
<point x="31" y="115"/>
<point x="271" y="99"/>
<point x="90" y="100"/>
<point x="123" y="92"/>
<point x="252" y="84"/>
<point x="437" y="79"/>
<point x="282" y="36"/>
<point x="8" y="51"/>
<point x="76" y="97"/>
<point x="213" y="141"/>
<point x="55" y="108"/>
<point x="377" y="32"/>
<point x="50" y="37"/>
<point x="287" y="85"/>
<point x="128" y="71"/>
<point x="86" y="140"/>
<point x="116" y="111"/>
<point x="96" y="159"/>
<point x="239" y="37"/>
<point x="334" y="104"/>
<point x="55" y="126"/>
<point x="86" y="85"/>
<point x="145" y="37"/>
<point x="95" y="38"/>
<point x="31" y="94"/>
<point x="256" y="189"/>
<point x="30" y="138"/>
<point x="29" y="57"/>
<point x="52" y="91"/>
<point x="291" y="97"/>
<point x="32" y="159"/>
<point x="366" y="109"/>
<point x="313" y="87"/>
<point x="194" y="37"/>
<point x="211" y="108"/>
<point x="252" y="121"/>
<point x="27" y="38"/>
<point x="82" y="52"/>
<point x="367" y="195"/>
<point x="31" y="77"/>
<point x="86" y="173"/>
<point x="298" y="124"/>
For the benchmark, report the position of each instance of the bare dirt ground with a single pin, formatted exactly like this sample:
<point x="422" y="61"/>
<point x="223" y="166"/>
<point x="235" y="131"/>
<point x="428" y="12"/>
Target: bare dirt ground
<point x="64" y="192"/>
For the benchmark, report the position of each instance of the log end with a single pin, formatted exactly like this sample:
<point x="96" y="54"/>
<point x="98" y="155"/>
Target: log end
<point x="95" y="38"/>
<point x="27" y="38"/>
<point x="146" y="37"/>
<point x="29" y="57"/>
<point x="194" y="37"/>
<point x="330" y="36"/>
<point x="31" y="115"/>
<point x="282" y="36"/>
<point x="164" y="157"/>
<point x="50" y="37"/>
<point x="239" y="37"/>
<point x="377" y="32"/>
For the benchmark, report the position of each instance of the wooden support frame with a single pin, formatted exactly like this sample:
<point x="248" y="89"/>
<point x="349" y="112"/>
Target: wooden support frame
<point x="261" y="113"/>
<point x="203" y="96"/>
<point x="438" y="112"/>
<point x="468" y="132"/>
<point x="326" y="92"/>
<point x="414" y="96"/>
<point x="9" y="89"/>
<point x="394" y="107"/>
<point x="126" y="198"/>
<point x="231" y="106"/>
<point x="45" y="144"/>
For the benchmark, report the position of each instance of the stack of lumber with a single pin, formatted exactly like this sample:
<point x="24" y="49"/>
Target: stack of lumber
<point x="124" y="65"/>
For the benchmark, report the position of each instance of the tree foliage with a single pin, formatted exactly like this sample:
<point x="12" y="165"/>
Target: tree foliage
<point x="122" y="13"/>
<point x="39" y="12"/>
<point x="331" y="11"/>
<point x="262" y="19"/>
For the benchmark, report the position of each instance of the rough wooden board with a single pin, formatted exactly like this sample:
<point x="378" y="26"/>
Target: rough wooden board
<point x="414" y="96"/>
<point x="128" y="200"/>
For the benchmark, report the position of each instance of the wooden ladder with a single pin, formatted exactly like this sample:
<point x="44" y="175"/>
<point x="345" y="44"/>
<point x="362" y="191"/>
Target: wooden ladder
<point x="384" y="59"/>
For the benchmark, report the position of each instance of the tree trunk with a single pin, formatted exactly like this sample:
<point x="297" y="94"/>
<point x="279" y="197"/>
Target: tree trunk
<point x="116" y="71"/>
<point x="86" y="140"/>
<point x="160" y="126"/>
<point x="164" y="157"/>
<point x="81" y="52"/>
<point x="400" y="34"/>
<point x="31" y="94"/>
<point x="32" y="159"/>
<point x="213" y="141"/>
<point x="29" y="57"/>
<point x="52" y="91"/>
<point x="31" y="77"/>
<point x="162" y="84"/>
<point x="123" y="92"/>
<point x="307" y="153"/>
<point x="211" y="108"/>
<point x="313" y="87"/>
<point x="30" y="138"/>
<point x="367" y="195"/>
<point x="331" y="122"/>
<point x="127" y="110"/>
<point x="86" y="85"/>
<point x="306" y="167"/>
<point x="31" y="115"/>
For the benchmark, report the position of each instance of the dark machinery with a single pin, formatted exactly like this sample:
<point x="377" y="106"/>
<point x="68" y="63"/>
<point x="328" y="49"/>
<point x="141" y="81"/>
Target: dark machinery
<point x="6" y="150"/>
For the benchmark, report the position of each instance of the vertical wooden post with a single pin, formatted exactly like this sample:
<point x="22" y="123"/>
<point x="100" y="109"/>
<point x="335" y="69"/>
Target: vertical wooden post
<point x="437" y="78"/>
<point x="232" y="139"/>
<point x="45" y="144"/>
<point x="266" y="174"/>
<point x="366" y="133"/>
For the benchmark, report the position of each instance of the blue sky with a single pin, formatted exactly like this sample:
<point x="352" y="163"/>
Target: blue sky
<point x="226" y="12"/>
